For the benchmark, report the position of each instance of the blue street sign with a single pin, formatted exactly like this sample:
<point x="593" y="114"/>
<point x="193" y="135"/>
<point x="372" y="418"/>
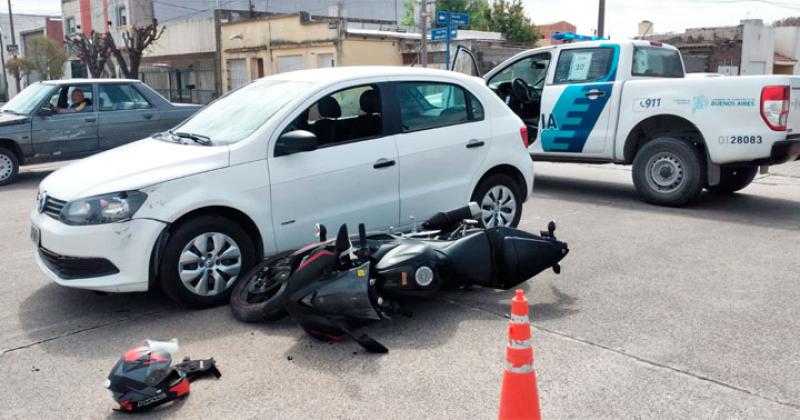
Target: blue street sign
<point x="451" y="22"/>
<point x="439" y="34"/>
<point x="444" y="17"/>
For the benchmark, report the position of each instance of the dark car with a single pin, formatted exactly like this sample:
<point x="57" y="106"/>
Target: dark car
<point x="68" y="119"/>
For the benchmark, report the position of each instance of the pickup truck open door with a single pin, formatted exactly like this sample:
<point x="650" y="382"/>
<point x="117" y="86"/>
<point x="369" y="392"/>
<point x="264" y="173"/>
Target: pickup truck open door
<point x="567" y="101"/>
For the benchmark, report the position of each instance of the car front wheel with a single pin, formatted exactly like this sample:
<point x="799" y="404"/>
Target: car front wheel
<point x="9" y="166"/>
<point x="203" y="260"/>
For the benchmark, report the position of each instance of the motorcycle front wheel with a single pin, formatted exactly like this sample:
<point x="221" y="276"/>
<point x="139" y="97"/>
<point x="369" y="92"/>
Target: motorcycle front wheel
<point x="258" y="294"/>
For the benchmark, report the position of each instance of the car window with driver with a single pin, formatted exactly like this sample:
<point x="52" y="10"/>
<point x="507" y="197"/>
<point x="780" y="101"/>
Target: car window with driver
<point x="72" y="99"/>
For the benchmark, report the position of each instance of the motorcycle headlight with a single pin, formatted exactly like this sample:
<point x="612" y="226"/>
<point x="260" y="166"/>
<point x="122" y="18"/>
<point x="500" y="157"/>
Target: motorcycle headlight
<point x="106" y="208"/>
<point x="424" y="276"/>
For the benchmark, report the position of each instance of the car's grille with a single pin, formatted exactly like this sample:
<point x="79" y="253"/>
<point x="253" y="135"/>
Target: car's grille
<point x="69" y="268"/>
<point x="52" y="207"/>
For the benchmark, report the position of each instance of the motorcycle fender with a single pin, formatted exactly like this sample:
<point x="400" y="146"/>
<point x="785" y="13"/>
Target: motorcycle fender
<point x="346" y="294"/>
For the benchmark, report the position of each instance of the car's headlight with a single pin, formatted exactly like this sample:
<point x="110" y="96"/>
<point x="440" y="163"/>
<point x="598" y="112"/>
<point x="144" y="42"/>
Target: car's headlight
<point x="106" y="208"/>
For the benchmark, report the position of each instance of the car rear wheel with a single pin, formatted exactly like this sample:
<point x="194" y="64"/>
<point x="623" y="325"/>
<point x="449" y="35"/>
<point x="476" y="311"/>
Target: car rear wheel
<point x="203" y="260"/>
<point x="500" y="200"/>
<point x="734" y="179"/>
<point x="9" y="166"/>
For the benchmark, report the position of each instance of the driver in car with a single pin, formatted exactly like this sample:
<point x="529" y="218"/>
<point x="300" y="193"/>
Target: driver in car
<point x="78" y="100"/>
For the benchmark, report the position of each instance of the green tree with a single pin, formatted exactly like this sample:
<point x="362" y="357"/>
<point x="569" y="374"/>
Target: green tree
<point x="47" y="58"/>
<point x="409" y="13"/>
<point x="508" y="17"/>
<point x="19" y="67"/>
<point x="478" y="11"/>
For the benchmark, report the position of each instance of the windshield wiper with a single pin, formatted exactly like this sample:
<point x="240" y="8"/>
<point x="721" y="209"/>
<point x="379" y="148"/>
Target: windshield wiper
<point x="10" y="111"/>
<point x="197" y="138"/>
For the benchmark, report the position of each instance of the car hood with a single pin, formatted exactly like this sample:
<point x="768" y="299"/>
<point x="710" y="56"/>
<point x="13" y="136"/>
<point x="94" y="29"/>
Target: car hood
<point x="11" y="119"/>
<point x="133" y="166"/>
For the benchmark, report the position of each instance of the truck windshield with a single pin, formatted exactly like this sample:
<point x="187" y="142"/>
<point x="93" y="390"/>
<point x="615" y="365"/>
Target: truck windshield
<point x="27" y="100"/>
<point x="238" y="114"/>
<point x="657" y="62"/>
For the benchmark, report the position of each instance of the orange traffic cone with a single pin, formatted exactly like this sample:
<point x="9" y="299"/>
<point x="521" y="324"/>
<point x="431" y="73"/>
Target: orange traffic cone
<point x="519" y="398"/>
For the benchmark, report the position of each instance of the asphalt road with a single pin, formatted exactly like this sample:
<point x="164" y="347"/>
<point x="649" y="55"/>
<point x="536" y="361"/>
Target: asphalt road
<point x="658" y="313"/>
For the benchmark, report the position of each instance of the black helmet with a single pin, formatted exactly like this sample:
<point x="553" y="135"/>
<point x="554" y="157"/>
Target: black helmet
<point x="144" y="377"/>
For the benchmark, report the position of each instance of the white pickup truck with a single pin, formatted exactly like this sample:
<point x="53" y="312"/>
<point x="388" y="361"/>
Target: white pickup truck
<point x="630" y="102"/>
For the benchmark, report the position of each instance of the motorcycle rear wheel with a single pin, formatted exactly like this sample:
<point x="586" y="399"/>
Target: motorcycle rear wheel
<point x="258" y="295"/>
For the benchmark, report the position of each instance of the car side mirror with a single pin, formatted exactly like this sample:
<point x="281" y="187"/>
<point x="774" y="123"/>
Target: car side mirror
<point x="44" y="112"/>
<point x="295" y="142"/>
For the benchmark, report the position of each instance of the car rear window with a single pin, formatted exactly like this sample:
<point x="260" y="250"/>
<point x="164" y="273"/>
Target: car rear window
<point x="657" y="62"/>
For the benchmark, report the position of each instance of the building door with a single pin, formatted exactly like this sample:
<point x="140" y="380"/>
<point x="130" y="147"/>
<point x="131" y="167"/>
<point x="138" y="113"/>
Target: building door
<point x="290" y="63"/>
<point x="325" y="61"/>
<point x="237" y="73"/>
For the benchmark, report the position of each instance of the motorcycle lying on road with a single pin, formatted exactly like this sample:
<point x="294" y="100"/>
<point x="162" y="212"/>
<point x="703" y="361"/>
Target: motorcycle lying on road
<point x="334" y="286"/>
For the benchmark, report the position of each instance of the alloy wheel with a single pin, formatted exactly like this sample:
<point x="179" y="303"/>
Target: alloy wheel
<point x="210" y="263"/>
<point x="498" y="207"/>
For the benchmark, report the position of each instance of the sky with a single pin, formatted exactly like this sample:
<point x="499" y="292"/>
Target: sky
<point x="622" y="16"/>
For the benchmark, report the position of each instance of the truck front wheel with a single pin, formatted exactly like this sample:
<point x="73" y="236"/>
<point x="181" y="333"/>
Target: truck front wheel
<point x="734" y="179"/>
<point x="669" y="172"/>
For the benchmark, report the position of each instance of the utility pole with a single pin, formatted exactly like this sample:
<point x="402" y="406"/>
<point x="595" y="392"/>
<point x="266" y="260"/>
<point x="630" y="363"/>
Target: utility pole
<point x="251" y="8"/>
<point x="423" y="44"/>
<point x="601" y="19"/>
<point x="341" y="27"/>
<point x="13" y="41"/>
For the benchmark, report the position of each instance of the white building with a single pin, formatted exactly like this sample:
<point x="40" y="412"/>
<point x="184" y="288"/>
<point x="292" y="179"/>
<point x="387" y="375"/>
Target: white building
<point x="25" y="25"/>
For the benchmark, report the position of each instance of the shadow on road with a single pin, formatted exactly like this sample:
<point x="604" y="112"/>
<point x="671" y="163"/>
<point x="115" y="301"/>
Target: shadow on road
<point x="743" y="208"/>
<point x="54" y="311"/>
<point x="432" y="323"/>
<point x="27" y="179"/>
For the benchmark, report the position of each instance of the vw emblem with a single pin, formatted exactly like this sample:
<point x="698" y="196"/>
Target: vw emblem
<point x="40" y="201"/>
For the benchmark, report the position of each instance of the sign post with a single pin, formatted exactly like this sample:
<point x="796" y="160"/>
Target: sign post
<point x="451" y="22"/>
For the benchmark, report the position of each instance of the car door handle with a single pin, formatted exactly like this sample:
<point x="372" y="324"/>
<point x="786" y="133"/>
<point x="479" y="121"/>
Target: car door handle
<point x="383" y="163"/>
<point x="475" y="143"/>
<point x="147" y="116"/>
<point x="90" y="119"/>
<point x="594" y="94"/>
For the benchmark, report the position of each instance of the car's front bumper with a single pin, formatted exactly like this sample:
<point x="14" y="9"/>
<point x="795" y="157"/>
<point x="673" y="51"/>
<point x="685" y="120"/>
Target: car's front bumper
<point x="112" y="257"/>
<point x="785" y="150"/>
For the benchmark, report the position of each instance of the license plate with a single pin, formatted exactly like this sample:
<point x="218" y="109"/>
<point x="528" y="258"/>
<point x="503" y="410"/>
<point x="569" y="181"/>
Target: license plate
<point x="35" y="235"/>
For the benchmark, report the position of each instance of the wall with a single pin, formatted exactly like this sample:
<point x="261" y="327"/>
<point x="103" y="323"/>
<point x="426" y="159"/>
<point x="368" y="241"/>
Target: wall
<point x="373" y="52"/>
<point x="273" y="38"/>
<point x="787" y="41"/>
<point x="758" y="48"/>
<point x="185" y="37"/>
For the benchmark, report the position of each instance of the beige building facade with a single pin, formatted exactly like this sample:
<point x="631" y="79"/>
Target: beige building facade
<point x="257" y="48"/>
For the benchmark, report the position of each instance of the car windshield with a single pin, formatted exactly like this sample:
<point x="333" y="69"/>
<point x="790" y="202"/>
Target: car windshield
<point x="239" y="113"/>
<point x="27" y="100"/>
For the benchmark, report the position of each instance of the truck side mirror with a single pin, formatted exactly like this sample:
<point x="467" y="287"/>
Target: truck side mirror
<point x="295" y="142"/>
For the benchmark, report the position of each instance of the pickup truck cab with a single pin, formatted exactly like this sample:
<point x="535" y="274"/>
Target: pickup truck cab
<point x="631" y="102"/>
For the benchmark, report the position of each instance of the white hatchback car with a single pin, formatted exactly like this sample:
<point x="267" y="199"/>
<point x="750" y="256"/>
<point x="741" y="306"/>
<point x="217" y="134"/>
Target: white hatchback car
<point x="251" y="174"/>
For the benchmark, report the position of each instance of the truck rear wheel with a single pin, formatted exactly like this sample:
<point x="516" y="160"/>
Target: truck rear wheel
<point x="734" y="179"/>
<point x="669" y="172"/>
